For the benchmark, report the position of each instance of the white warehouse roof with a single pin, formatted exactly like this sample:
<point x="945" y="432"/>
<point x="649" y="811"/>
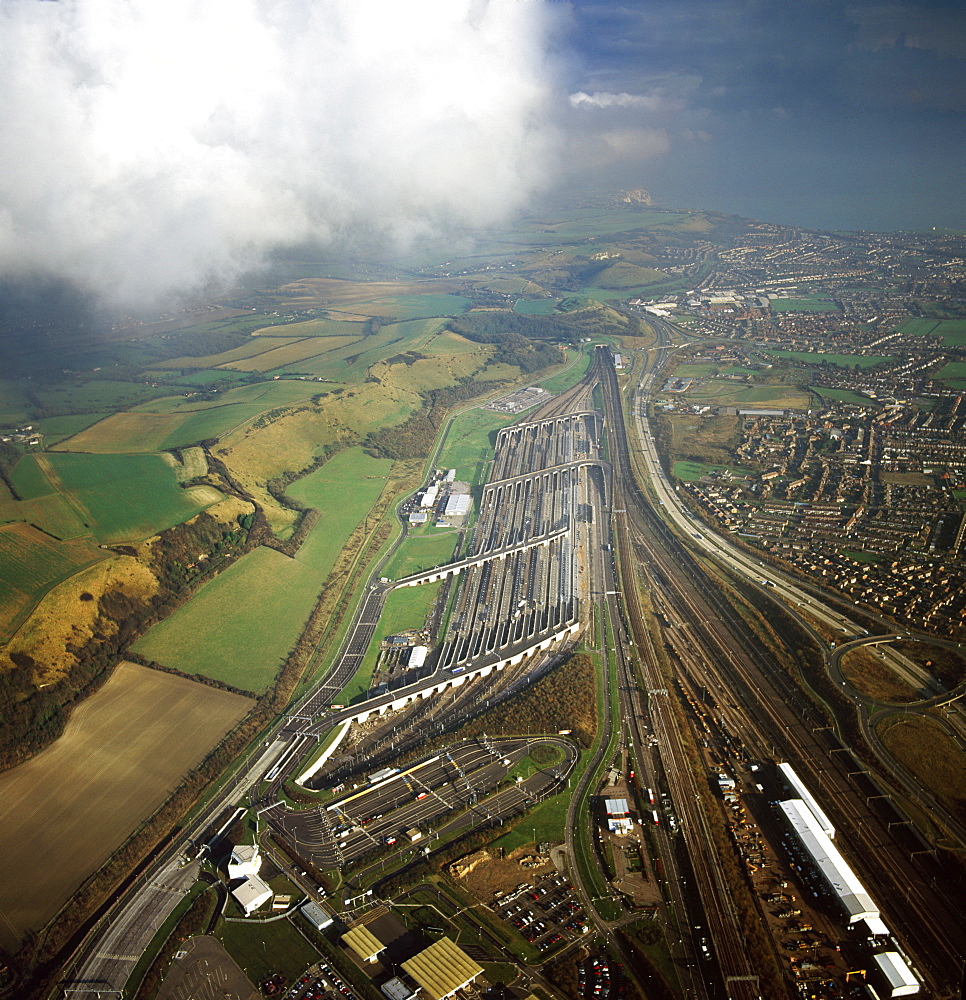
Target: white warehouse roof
<point x="899" y="976"/>
<point x="457" y="504"/>
<point x="795" y="783"/>
<point x="417" y="656"/>
<point x="429" y="497"/>
<point x="826" y="857"/>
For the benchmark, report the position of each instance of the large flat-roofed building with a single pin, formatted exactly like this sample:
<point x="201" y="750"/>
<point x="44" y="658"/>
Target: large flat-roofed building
<point x="852" y="895"/>
<point x="894" y="978"/>
<point x="442" y="969"/>
<point x="798" y="788"/>
<point x="363" y="942"/>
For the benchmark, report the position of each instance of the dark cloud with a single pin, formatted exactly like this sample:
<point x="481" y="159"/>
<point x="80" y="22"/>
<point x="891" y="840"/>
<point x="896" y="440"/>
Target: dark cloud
<point x="870" y="96"/>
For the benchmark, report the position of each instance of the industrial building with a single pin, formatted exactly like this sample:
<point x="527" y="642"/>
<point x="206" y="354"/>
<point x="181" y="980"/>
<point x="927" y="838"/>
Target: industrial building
<point x="442" y="969"/>
<point x="892" y="976"/>
<point x="457" y="504"/>
<point x="797" y="787"/>
<point x="850" y="892"/>
<point x="618" y="816"/>
<point x="417" y="656"/>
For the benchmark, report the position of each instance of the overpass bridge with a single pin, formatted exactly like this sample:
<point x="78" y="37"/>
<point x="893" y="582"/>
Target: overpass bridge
<point x="435" y="684"/>
<point x="451" y="569"/>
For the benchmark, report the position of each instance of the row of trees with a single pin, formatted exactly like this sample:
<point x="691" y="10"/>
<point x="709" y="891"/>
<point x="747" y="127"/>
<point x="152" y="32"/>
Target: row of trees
<point x="414" y="438"/>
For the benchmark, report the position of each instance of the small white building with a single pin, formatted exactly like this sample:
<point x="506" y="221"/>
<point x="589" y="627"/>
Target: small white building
<point x="450" y="476"/>
<point x="252" y="894"/>
<point x="396" y="989"/>
<point x="618" y="817"/>
<point x="417" y="656"/>
<point x="428" y="499"/>
<point x="316" y="916"/>
<point x="245" y="861"/>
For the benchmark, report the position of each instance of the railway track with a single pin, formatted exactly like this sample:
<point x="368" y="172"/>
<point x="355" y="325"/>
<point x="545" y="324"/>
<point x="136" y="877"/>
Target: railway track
<point x="778" y="714"/>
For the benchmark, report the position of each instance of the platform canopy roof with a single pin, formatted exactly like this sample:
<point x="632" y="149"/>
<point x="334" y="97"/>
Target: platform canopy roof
<point x="363" y="942"/>
<point x="442" y="969"/>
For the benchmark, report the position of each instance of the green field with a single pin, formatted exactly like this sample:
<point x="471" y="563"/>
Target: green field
<point x="124" y="497"/>
<point x="407" y="307"/>
<point x="52" y="514"/>
<point x="841" y="360"/>
<point x="804" y="305"/>
<point x="241" y="624"/>
<point x="90" y="397"/>
<point x="350" y="363"/>
<point x="842" y="396"/>
<point x="691" y="472"/>
<point x="28" y="479"/>
<point x="954" y="370"/>
<point x="919" y="327"/>
<point x="468" y="445"/>
<point x="577" y="224"/>
<point x="57" y="429"/>
<point x="535" y="307"/>
<point x="952" y="331"/>
<point x="343" y="491"/>
<point x="565" y="379"/>
<point x="421" y="552"/>
<point x="262" y="949"/>
<point x="176" y="421"/>
<point x="405" y="608"/>
<point x="31" y="563"/>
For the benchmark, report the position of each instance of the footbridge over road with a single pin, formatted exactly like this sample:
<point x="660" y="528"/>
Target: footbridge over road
<point x="451" y="569"/>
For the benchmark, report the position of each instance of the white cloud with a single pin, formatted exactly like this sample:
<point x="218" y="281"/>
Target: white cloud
<point x="605" y="99"/>
<point x="147" y="147"/>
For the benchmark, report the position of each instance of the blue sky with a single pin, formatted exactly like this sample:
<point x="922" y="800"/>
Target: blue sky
<point x="821" y="113"/>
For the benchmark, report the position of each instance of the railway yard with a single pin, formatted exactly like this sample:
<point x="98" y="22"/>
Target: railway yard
<point x="567" y="546"/>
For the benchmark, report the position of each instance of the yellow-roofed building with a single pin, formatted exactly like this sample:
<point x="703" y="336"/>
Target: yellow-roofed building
<point x="363" y="942"/>
<point x="442" y="969"/>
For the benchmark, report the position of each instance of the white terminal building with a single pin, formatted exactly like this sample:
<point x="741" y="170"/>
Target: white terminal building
<point x="245" y="861"/>
<point x="850" y="892"/>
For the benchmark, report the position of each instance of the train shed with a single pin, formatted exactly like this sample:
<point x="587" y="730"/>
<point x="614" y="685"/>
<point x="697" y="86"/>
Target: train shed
<point x="850" y="892"/>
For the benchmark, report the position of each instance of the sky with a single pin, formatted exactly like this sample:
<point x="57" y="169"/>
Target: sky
<point x="819" y="113"/>
<point x="147" y="149"/>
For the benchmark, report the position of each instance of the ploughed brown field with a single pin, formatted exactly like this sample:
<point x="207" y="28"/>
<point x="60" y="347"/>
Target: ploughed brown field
<point x="124" y="750"/>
